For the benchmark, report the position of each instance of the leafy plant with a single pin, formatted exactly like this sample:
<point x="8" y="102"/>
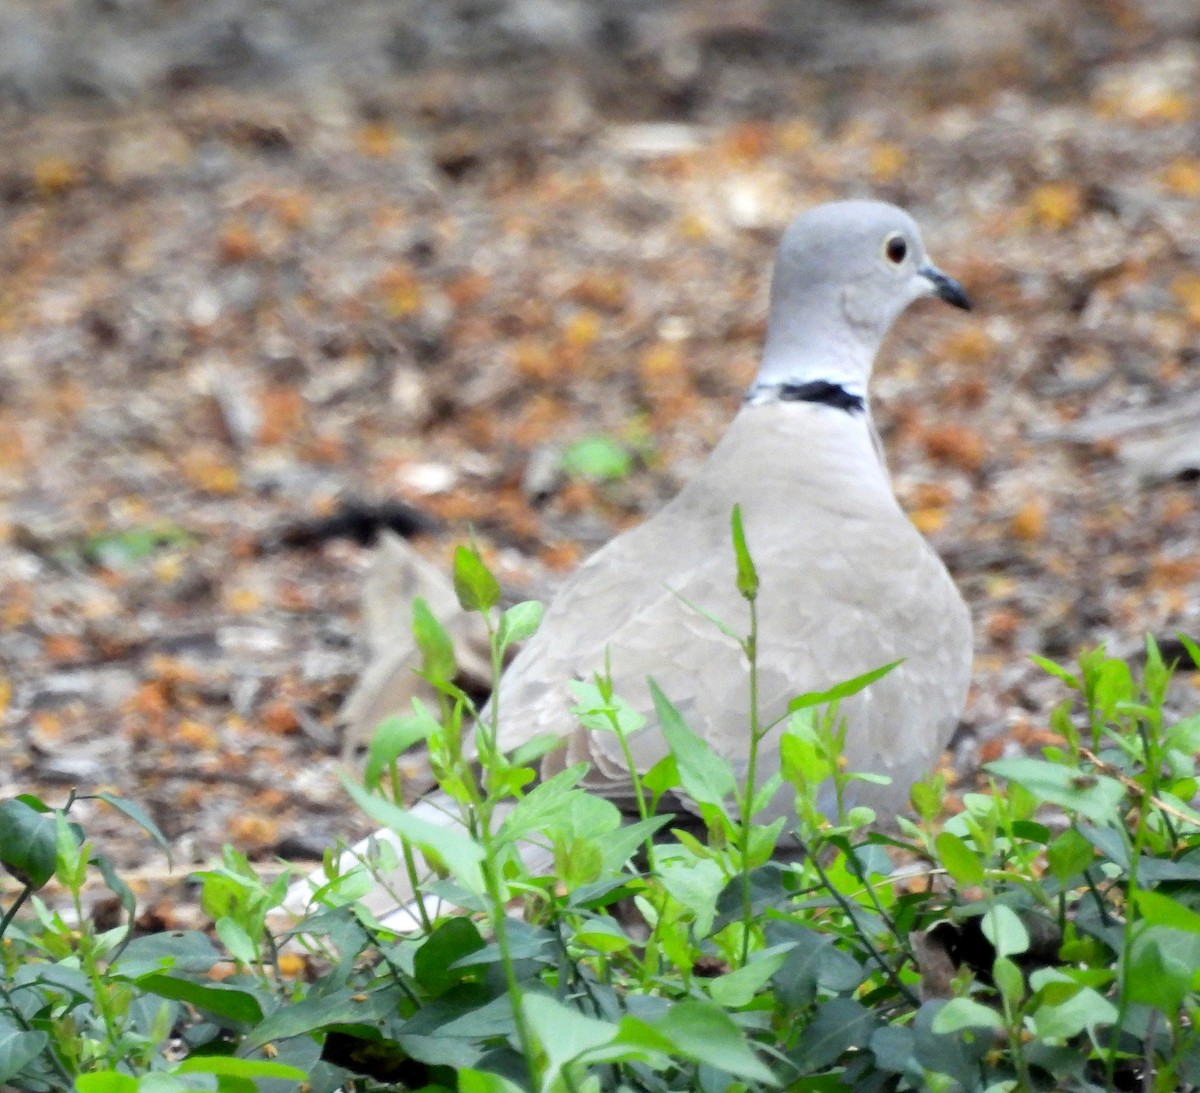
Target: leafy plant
<point x="1044" y="937"/>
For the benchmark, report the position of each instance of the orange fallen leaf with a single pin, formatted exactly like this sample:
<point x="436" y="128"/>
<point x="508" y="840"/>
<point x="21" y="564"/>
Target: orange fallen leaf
<point x="1028" y="523"/>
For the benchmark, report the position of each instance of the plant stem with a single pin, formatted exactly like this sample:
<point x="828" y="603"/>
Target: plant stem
<point x="750" y="646"/>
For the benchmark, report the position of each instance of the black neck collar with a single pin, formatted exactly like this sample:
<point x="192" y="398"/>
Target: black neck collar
<point x="825" y="392"/>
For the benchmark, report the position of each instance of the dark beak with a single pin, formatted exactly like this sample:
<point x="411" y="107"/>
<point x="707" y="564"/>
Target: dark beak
<point x="945" y="287"/>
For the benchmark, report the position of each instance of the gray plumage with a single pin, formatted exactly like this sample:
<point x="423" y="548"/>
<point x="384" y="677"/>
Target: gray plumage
<point x="847" y="582"/>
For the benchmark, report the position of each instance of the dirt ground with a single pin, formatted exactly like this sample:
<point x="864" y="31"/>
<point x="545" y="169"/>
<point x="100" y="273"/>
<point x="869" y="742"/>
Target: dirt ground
<point x="241" y="326"/>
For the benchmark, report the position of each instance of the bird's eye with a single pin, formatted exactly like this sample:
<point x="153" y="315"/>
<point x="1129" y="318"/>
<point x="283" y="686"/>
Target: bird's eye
<point x="895" y="248"/>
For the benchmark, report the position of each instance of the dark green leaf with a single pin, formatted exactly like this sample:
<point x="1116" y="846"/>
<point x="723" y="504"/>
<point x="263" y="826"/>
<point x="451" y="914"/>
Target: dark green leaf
<point x="340" y="1007"/>
<point x="450" y="943"/>
<point x="218" y="999"/>
<point x="18" y="1049"/>
<point x="28" y="843"/>
<point x="838" y="1025"/>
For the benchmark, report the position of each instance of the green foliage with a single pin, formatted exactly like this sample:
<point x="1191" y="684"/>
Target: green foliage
<point x="671" y="953"/>
<point x="598" y="459"/>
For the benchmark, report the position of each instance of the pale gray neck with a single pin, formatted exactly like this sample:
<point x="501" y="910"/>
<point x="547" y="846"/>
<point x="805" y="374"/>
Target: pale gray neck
<point x="811" y="340"/>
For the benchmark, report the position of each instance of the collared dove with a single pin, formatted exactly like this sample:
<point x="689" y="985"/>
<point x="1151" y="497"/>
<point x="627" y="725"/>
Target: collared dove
<point x="847" y="582"/>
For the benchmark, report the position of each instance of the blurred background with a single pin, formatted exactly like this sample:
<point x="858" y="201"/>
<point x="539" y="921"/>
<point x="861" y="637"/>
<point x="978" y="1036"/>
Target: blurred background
<point x="276" y="275"/>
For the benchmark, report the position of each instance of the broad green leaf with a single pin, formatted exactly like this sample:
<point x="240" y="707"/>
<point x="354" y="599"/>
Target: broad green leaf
<point x="1004" y="929"/>
<point x="962" y="1013"/>
<point x="1095" y="796"/>
<point x="484" y="1081"/>
<point x="838" y="1025"/>
<point x="18" y="1049"/>
<point x="705" y="1032"/>
<point x="454" y="846"/>
<point x="1009" y="981"/>
<point x="520" y="622"/>
<point x="563" y="1032"/>
<point x="215" y="998"/>
<point x="1160" y="910"/>
<point x="28" y="848"/>
<point x="841" y="690"/>
<point x="233" y="1067"/>
<point x="1069" y="855"/>
<point x="340" y="1007"/>
<point x="1159" y="967"/>
<point x="747" y="575"/>
<point x="391" y="739"/>
<point x="1083" y="1010"/>
<point x="704" y="775"/>
<point x="448" y="945"/>
<point x="739" y="987"/>
<point x="604" y="934"/>
<point x="236" y="940"/>
<point x="958" y="859"/>
<point x="597" y="458"/>
<point x="477" y="589"/>
<point x="106" y="1081"/>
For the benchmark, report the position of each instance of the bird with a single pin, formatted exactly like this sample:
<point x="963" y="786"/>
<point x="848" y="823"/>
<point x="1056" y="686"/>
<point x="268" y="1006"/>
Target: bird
<point x="847" y="582"/>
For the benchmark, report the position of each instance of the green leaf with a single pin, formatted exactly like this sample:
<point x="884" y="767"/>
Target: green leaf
<point x="340" y="1007"/>
<point x="598" y="459"/>
<point x="1004" y="929"/>
<point x="1159" y="967"/>
<point x="28" y="843"/>
<point x="233" y="1067"/>
<point x="474" y="584"/>
<point x="453" y="940"/>
<point x="520" y="622"/>
<point x="563" y="1032"/>
<point x="705" y="1032"/>
<point x="1095" y="796"/>
<point x="391" y="739"/>
<point x="604" y="934"/>
<point x="841" y="690"/>
<point x="437" y="650"/>
<point x="18" y="1049"/>
<point x="1082" y="1009"/>
<point x="1160" y="910"/>
<point x="838" y="1025"/>
<point x="703" y="774"/>
<point x="739" y="987"/>
<point x="236" y="940"/>
<point x="215" y="998"/>
<point x="106" y="1081"/>
<point x="454" y="846"/>
<point x="1193" y="650"/>
<point x="135" y="812"/>
<point x="484" y="1081"/>
<point x="1009" y="980"/>
<point x="1069" y="855"/>
<point x="958" y="859"/>
<point x="747" y="575"/>
<point x="1057" y="671"/>
<point x="962" y="1013"/>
